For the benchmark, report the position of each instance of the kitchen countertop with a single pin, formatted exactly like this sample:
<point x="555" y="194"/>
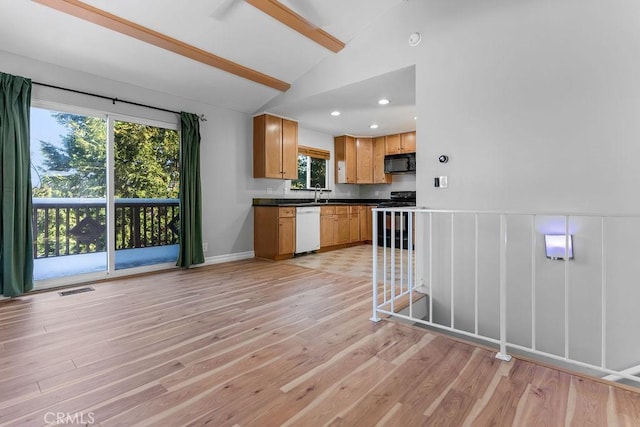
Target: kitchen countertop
<point x="321" y="202"/>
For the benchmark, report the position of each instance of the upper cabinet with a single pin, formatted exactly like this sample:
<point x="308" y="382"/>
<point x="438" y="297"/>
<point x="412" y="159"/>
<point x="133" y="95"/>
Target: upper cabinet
<point x="364" y="161"/>
<point x="379" y="146"/>
<point x="275" y="147"/>
<point x="401" y="143"/>
<point x="361" y="160"/>
<point x="354" y="160"/>
<point x="346" y="161"/>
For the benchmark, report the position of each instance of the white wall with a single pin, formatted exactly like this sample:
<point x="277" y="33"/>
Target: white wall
<point x="534" y="101"/>
<point x="226" y="153"/>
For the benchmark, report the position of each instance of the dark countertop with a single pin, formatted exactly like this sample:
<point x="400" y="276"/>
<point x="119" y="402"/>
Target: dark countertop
<point x="321" y="202"/>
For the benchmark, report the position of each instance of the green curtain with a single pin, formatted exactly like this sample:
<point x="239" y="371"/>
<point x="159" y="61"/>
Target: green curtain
<point x="191" y="251"/>
<point x="16" y="249"/>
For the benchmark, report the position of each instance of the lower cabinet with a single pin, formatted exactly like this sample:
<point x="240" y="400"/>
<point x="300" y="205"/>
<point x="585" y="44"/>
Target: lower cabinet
<point x="365" y="214"/>
<point x="342" y="225"/>
<point x="327" y="224"/>
<point x="334" y="225"/>
<point x="274" y="228"/>
<point x="274" y="232"/>
<point x="286" y="235"/>
<point x="354" y="224"/>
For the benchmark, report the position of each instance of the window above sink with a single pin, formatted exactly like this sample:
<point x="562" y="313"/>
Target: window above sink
<point x="312" y="169"/>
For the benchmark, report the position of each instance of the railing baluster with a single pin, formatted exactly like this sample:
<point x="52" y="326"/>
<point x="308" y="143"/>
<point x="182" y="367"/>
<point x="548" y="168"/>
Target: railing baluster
<point x="374" y="273"/>
<point x="502" y="355"/>
<point x="34" y="226"/>
<point x="77" y="218"/>
<point x="566" y="287"/>
<point x="533" y="282"/>
<point x="430" y="267"/>
<point x="452" y="273"/>
<point x="145" y="240"/>
<point x="67" y="228"/>
<point x="57" y="244"/>
<point x="46" y="231"/>
<point x="123" y="222"/>
<point x="167" y="237"/>
<point x="603" y="298"/>
<point x="476" y="270"/>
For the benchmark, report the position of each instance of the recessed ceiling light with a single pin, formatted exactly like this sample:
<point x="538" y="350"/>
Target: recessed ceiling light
<point x="335" y="113"/>
<point x="383" y="101"/>
<point x="373" y="126"/>
<point x="415" y="117"/>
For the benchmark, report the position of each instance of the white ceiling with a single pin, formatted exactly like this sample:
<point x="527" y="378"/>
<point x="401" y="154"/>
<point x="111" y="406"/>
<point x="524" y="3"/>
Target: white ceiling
<point x="359" y="108"/>
<point x="242" y="34"/>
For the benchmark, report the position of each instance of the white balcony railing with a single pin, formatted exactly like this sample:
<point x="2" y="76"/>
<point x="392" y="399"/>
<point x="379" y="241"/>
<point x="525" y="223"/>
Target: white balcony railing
<point x="486" y="275"/>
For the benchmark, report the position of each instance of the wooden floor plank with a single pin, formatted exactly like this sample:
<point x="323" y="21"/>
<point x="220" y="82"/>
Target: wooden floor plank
<point x="547" y="398"/>
<point x="591" y="403"/>
<point x="266" y="343"/>
<point x="627" y="407"/>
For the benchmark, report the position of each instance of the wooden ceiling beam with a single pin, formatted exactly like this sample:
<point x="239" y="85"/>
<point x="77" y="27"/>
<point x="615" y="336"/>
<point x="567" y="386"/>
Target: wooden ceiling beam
<point x="113" y="22"/>
<point x="291" y="19"/>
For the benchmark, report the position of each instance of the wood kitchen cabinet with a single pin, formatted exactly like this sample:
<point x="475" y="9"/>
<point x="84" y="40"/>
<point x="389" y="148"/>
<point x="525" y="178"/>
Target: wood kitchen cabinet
<point x="346" y="161"/>
<point x="342" y="225"/>
<point x="354" y="224"/>
<point x="400" y="143"/>
<point x="334" y="225"/>
<point x="275" y="147"/>
<point x="366" y="222"/>
<point x="274" y="232"/>
<point x="408" y="142"/>
<point x="354" y="160"/>
<point x="364" y="161"/>
<point x="379" y="177"/>
<point x="327" y="224"/>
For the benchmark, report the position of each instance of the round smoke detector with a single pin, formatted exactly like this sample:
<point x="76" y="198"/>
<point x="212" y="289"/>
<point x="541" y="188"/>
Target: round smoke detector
<point x="414" y="39"/>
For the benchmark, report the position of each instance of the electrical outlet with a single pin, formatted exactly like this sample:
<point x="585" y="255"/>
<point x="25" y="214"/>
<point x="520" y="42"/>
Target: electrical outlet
<point x="269" y="190"/>
<point x="377" y="193"/>
<point x="205" y="246"/>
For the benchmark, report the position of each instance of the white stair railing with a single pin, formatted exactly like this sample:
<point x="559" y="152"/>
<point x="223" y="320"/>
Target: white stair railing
<point x="486" y="276"/>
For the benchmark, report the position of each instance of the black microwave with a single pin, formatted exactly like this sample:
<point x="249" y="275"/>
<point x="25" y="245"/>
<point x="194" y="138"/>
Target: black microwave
<point x="400" y="163"/>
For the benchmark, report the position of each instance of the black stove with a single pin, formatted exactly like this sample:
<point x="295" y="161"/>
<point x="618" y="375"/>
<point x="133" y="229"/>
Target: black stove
<point x="398" y="199"/>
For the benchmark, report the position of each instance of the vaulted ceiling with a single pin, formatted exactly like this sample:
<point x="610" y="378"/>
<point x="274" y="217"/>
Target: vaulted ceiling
<point x="232" y="29"/>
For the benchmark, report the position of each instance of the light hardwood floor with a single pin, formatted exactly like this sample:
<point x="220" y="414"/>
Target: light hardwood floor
<point x="263" y="343"/>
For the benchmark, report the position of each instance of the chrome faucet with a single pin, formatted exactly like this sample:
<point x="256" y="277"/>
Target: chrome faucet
<point x="315" y="193"/>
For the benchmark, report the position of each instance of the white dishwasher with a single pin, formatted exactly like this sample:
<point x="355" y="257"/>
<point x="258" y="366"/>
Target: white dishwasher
<point x="307" y="229"/>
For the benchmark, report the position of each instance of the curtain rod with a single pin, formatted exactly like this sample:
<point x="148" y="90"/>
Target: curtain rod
<point x="114" y="100"/>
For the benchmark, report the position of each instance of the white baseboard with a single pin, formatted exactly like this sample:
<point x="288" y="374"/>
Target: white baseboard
<point x="219" y="259"/>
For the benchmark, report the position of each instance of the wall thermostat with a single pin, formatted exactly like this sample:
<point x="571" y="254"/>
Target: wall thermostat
<point x="443" y="158"/>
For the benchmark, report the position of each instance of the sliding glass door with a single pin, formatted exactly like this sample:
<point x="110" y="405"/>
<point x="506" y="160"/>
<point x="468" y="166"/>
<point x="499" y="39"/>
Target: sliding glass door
<point x="146" y="184"/>
<point x="105" y="193"/>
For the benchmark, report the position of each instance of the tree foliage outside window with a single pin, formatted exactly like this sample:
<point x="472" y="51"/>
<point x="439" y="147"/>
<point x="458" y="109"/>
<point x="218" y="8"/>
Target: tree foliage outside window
<point x="311" y="172"/>
<point x="146" y="160"/>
